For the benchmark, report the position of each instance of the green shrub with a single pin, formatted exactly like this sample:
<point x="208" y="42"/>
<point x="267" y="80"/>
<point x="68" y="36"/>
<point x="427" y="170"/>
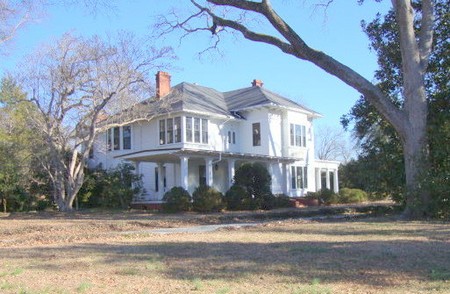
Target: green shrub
<point x="347" y="195"/>
<point x="207" y="199"/>
<point x="325" y="196"/>
<point x="114" y="188"/>
<point x="256" y="180"/>
<point x="176" y="200"/>
<point x="237" y="198"/>
<point x="282" y="201"/>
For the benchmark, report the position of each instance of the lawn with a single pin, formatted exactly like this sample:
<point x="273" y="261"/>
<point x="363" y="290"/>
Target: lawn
<point x="101" y="253"/>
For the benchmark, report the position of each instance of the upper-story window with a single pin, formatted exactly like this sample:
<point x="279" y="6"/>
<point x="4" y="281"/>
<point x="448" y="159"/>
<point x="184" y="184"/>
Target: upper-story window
<point x="188" y="129"/>
<point x="177" y="129"/>
<point x="126" y="137"/>
<point x="170" y="130"/>
<point x="205" y="131"/>
<point x="114" y="137"/>
<point x="196" y="130"/>
<point x="256" y="131"/>
<point x="231" y="137"/>
<point x="162" y="131"/>
<point x="299" y="177"/>
<point x="298" y="135"/>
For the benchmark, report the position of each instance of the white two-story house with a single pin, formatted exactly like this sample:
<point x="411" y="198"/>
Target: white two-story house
<point x="197" y="135"/>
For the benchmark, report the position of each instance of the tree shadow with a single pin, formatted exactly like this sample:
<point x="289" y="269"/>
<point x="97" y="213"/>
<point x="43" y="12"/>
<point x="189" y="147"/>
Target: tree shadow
<point x="371" y="263"/>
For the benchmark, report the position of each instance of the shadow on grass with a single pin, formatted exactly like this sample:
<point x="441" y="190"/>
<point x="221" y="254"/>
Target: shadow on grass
<point x="372" y="263"/>
<point x="378" y="227"/>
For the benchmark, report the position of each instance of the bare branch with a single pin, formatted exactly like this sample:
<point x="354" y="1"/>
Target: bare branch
<point x="426" y="32"/>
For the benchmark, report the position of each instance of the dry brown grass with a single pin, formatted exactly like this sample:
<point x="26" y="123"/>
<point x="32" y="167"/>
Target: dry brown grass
<point x="92" y="254"/>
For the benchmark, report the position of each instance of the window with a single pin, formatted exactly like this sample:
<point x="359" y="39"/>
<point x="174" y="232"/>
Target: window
<point x="188" y="129"/>
<point x="299" y="177"/>
<point x="298" y="135"/>
<point x="116" y="137"/>
<point x="162" y="131"/>
<point x="196" y="130"/>
<point x="204" y="131"/>
<point x="108" y="140"/>
<point x="177" y="129"/>
<point x="126" y="137"/>
<point x="292" y="131"/>
<point x="256" y="130"/>
<point x="169" y="130"/>
<point x="304" y="136"/>
<point x="231" y="137"/>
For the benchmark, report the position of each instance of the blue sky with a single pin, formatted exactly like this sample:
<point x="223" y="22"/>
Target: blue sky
<point x="338" y="33"/>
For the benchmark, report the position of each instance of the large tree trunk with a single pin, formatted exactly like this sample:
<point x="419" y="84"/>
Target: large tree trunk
<point x="417" y="199"/>
<point x="415" y="153"/>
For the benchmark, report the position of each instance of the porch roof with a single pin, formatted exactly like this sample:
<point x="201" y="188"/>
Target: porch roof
<point x="172" y="155"/>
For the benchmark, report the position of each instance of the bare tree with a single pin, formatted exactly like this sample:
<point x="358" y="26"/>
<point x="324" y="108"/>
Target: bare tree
<point x="14" y="15"/>
<point x="333" y="144"/>
<point x="410" y="121"/>
<point x="82" y="87"/>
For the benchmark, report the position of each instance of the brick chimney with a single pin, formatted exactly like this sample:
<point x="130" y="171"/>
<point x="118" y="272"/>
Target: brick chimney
<point x="257" y="83"/>
<point x="162" y="84"/>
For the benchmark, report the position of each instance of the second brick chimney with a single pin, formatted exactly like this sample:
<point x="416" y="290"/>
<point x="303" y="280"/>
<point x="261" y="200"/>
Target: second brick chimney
<point x="257" y="83"/>
<point x="162" y="84"/>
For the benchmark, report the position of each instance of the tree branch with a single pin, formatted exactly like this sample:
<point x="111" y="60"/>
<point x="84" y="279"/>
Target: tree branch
<point x="426" y="32"/>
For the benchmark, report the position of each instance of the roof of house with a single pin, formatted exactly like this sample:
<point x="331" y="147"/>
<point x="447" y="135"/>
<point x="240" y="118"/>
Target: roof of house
<point x="187" y="97"/>
<point x="196" y="98"/>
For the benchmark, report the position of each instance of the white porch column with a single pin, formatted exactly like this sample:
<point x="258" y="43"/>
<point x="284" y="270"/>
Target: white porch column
<point x="318" y="179"/>
<point x="336" y="182"/>
<point x="328" y="179"/>
<point x="184" y="171"/>
<point x="209" y="172"/>
<point x="231" y="170"/>
<point x="285" y="179"/>
<point x="161" y="180"/>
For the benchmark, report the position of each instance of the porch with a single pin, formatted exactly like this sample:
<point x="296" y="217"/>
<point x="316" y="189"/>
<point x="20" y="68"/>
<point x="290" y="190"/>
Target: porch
<point x="164" y="169"/>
